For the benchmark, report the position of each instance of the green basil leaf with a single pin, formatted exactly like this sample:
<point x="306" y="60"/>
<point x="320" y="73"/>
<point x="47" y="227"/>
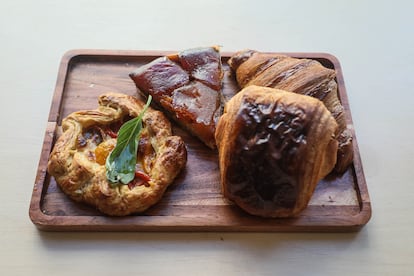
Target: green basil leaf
<point x="120" y="164"/>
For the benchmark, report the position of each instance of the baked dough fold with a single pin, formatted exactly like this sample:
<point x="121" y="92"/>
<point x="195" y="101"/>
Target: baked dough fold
<point x="274" y="147"/>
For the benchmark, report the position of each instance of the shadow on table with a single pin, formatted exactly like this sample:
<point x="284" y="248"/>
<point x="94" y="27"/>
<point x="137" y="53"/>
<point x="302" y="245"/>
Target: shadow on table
<point x="256" y="243"/>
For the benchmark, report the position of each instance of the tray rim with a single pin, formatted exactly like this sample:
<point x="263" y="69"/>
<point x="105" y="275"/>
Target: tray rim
<point x="103" y="223"/>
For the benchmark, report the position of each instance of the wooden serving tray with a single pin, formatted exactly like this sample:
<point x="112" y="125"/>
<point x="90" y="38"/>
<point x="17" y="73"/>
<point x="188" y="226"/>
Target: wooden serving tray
<point x="194" y="201"/>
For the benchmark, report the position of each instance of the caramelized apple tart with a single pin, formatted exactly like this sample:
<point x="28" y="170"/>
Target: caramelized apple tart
<point x="187" y="86"/>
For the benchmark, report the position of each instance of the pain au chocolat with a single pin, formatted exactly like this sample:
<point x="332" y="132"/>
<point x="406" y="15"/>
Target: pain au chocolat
<point x="187" y="87"/>
<point x="274" y="147"/>
<point x="302" y="76"/>
<point x="77" y="161"/>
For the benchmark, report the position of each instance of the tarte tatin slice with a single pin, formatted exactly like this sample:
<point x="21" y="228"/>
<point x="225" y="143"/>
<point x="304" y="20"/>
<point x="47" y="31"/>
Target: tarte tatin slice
<point x="187" y="86"/>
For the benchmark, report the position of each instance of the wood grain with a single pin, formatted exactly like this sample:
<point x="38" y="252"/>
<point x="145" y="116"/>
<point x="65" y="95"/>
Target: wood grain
<point x="194" y="201"/>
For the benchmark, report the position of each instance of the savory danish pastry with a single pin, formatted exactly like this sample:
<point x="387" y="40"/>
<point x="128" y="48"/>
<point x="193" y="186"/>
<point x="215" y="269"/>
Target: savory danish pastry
<point x="79" y="156"/>
<point x="274" y="147"/>
<point x="302" y="76"/>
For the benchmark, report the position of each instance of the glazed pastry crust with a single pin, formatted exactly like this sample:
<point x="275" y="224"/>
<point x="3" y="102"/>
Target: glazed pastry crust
<point x="78" y="174"/>
<point x="299" y="155"/>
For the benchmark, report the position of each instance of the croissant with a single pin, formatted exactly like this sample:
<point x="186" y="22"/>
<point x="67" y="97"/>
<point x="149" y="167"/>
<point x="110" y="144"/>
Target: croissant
<point x="303" y="76"/>
<point x="274" y="147"/>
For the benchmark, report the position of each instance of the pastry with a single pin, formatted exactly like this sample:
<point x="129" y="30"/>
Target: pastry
<point x="274" y="147"/>
<point x="77" y="161"/>
<point x="187" y="87"/>
<point x="302" y="76"/>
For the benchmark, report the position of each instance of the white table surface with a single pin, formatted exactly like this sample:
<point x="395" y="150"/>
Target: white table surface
<point x="373" y="41"/>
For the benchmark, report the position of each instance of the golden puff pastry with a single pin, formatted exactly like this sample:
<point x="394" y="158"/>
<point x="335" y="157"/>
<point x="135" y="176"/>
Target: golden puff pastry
<point x="77" y="161"/>
<point x="302" y="76"/>
<point x="274" y="147"/>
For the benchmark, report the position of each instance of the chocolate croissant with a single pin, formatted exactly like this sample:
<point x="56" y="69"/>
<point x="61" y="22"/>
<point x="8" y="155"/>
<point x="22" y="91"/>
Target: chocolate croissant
<point x="274" y="147"/>
<point x="302" y="76"/>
